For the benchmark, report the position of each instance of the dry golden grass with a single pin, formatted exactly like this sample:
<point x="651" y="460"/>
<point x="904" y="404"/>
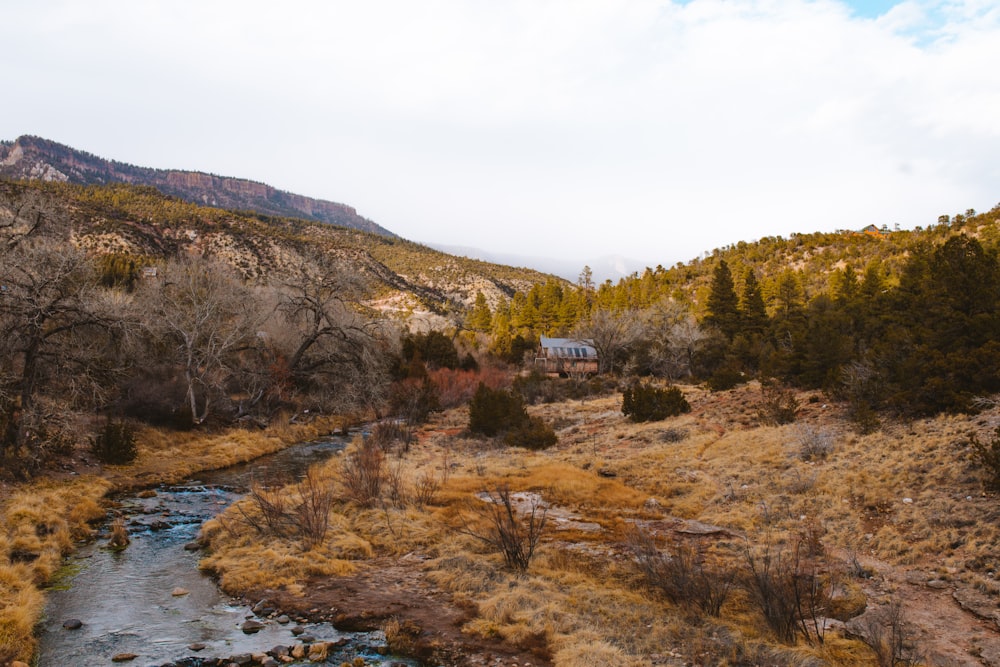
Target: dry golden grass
<point x="38" y="525"/>
<point x="717" y="465"/>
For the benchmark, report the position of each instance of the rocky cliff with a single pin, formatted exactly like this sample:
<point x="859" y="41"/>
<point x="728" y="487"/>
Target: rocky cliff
<point x="40" y="159"/>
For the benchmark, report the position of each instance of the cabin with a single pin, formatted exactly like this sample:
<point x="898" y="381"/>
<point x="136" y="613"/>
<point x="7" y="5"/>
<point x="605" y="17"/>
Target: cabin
<point x="566" y="357"/>
<point x="879" y="233"/>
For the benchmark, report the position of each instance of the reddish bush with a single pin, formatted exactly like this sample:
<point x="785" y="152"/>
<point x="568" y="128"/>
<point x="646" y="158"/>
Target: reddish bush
<point x="457" y="387"/>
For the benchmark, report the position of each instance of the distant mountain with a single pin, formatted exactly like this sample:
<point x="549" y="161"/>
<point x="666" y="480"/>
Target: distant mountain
<point x="407" y="279"/>
<point x="609" y="267"/>
<point x="40" y="159"/>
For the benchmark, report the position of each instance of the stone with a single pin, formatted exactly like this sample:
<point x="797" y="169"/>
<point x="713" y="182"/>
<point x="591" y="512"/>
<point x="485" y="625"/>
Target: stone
<point x="278" y="651"/>
<point x="197" y="646"/>
<point x="123" y="657"/>
<point x="192" y="546"/>
<point x="251" y="626"/>
<point x="298" y="651"/>
<point x="938" y="584"/>
<point x="269" y="662"/>
<point x="72" y="624"/>
<point x="283" y="620"/>
<point x="241" y="659"/>
<point x="307" y="639"/>
<point x="18" y="663"/>
<point x="263" y="607"/>
<point x="298" y="630"/>
<point x="179" y="592"/>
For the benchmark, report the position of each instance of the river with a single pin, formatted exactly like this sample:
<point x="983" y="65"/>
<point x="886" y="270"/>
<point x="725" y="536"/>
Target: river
<point x="125" y="598"/>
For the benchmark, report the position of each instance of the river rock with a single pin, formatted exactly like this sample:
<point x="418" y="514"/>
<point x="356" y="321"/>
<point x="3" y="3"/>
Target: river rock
<point x="123" y="657"/>
<point x="298" y="630"/>
<point x="192" y="546"/>
<point x="283" y="620"/>
<point x="242" y="659"/>
<point x="159" y="524"/>
<point x="72" y="624"/>
<point x="278" y="651"/>
<point x="298" y="651"/>
<point x="307" y="639"/>
<point x="197" y="646"/>
<point x="263" y="607"/>
<point x="179" y="592"/>
<point x="251" y="626"/>
<point x="18" y="663"/>
<point x="269" y="662"/>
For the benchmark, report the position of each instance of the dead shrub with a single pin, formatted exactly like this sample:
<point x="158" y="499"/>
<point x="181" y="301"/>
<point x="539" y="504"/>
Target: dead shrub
<point x="363" y="474"/>
<point x="787" y="589"/>
<point x="987" y="457"/>
<point x="426" y="488"/>
<point x="814" y="444"/>
<point x="392" y="435"/>
<point x="683" y="575"/>
<point x="777" y="406"/>
<point x="886" y="632"/>
<point x="515" y="536"/>
<point x="302" y="513"/>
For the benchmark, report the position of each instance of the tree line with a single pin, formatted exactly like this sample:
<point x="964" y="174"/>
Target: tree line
<point x="85" y="339"/>
<point x="909" y="326"/>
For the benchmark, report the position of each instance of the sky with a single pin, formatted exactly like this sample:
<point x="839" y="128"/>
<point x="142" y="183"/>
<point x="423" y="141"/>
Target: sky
<point x="571" y="129"/>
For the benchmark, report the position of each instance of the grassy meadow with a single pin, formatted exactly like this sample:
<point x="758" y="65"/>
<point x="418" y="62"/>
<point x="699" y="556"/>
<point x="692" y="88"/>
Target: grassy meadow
<point x="859" y="513"/>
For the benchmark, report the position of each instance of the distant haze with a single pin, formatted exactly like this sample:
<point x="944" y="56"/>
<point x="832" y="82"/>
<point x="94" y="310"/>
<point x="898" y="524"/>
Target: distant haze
<point x="569" y="129"/>
<point x="609" y="267"/>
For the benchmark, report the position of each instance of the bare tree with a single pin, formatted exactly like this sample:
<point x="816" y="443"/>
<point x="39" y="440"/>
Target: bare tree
<point x="202" y="316"/>
<point x="673" y="338"/>
<point x="52" y="325"/>
<point x="336" y="352"/>
<point x="612" y="335"/>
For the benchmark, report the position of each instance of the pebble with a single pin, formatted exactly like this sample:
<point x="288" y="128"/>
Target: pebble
<point x="72" y="624"/>
<point x="124" y="657"/>
<point x="179" y="592"/>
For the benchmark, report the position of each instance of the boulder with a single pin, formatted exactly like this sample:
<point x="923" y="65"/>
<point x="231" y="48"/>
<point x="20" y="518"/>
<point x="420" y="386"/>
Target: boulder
<point x="251" y="626"/>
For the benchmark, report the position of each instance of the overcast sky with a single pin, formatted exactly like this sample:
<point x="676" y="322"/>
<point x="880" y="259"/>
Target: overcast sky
<point x="573" y="129"/>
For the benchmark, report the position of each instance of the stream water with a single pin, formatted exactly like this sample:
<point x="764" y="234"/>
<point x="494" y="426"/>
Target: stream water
<point x="125" y="598"/>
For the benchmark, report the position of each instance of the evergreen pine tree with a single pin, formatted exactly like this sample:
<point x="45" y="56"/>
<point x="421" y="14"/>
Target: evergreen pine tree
<point x="723" y="304"/>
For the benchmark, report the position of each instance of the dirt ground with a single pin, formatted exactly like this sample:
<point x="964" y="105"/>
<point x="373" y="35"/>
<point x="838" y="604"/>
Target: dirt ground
<point x="390" y="589"/>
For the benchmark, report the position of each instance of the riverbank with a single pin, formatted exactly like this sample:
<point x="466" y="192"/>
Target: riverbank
<point x="41" y="521"/>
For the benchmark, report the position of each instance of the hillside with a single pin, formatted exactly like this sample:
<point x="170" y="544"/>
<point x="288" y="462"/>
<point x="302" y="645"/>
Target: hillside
<point x="41" y="159"/>
<point x="142" y="223"/>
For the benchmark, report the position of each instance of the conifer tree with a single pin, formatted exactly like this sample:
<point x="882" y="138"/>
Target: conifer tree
<point x="480" y="317"/>
<point x="723" y="304"/>
<point x="752" y="310"/>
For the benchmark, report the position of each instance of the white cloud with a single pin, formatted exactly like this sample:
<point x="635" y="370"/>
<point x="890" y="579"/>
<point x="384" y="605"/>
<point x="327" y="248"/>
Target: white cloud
<point x="568" y="127"/>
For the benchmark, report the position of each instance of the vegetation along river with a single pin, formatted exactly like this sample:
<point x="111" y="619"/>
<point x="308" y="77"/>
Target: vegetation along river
<point x="128" y="601"/>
